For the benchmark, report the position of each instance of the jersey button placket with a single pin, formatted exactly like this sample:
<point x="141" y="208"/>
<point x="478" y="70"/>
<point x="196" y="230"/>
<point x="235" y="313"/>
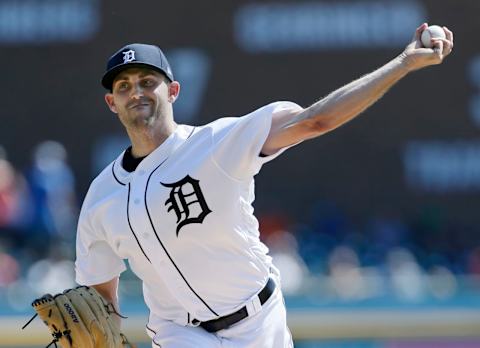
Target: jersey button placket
<point x="138" y="185"/>
<point x="138" y="212"/>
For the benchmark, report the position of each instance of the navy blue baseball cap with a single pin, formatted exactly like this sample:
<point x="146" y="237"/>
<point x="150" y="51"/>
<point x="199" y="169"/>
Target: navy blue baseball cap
<point x="136" y="54"/>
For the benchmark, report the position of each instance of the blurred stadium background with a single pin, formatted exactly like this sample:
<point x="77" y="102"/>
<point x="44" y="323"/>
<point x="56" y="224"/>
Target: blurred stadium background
<point x="375" y="226"/>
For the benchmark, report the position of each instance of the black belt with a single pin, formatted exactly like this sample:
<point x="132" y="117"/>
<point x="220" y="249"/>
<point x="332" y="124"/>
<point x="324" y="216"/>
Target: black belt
<point x="228" y="320"/>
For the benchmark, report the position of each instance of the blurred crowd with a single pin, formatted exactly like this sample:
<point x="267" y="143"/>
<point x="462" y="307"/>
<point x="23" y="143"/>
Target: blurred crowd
<point x="327" y="257"/>
<point x="38" y="214"/>
<point x="388" y="259"/>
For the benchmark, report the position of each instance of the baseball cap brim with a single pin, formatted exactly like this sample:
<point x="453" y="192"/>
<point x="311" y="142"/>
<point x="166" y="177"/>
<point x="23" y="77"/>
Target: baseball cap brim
<point x="110" y="75"/>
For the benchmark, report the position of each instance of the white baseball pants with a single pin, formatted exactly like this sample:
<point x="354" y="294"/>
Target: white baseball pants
<point x="265" y="329"/>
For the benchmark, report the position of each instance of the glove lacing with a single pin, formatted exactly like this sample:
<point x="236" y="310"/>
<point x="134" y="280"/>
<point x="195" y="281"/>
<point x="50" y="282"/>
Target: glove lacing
<point x="57" y="335"/>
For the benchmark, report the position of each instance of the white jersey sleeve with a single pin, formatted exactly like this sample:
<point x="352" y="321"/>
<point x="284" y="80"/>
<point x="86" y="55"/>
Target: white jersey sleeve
<point x="96" y="262"/>
<point x="238" y="141"/>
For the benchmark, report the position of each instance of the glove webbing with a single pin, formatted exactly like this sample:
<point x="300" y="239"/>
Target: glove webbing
<point x="56" y="335"/>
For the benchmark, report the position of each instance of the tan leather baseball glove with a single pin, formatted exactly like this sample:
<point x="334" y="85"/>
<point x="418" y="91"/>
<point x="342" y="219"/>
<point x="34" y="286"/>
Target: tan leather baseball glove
<point x="80" y="318"/>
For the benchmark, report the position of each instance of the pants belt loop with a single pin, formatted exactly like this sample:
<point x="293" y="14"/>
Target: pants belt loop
<point x="254" y="306"/>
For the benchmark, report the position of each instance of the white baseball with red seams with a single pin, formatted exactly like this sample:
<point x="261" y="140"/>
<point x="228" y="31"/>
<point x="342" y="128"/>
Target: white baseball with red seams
<point x="432" y="32"/>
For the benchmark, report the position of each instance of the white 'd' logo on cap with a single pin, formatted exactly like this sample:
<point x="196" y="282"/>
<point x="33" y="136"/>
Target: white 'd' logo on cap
<point x="128" y="56"/>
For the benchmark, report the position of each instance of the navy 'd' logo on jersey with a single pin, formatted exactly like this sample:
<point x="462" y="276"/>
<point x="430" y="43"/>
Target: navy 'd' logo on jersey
<point x="187" y="202"/>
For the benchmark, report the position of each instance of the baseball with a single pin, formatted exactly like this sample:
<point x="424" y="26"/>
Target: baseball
<point x="433" y="31"/>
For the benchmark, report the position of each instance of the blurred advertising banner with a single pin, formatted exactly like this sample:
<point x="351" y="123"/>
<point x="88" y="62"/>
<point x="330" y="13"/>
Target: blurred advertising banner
<point x="415" y="150"/>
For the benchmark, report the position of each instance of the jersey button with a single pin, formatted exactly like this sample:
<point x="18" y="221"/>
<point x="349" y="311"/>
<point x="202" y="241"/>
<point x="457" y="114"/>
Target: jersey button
<point x="141" y="172"/>
<point x="136" y="201"/>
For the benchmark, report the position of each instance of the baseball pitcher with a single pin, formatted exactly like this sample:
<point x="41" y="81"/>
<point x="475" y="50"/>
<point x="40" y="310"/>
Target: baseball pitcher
<point x="177" y="204"/>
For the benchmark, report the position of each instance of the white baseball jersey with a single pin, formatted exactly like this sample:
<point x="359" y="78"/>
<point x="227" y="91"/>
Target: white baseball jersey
<point x="183" y="220"/>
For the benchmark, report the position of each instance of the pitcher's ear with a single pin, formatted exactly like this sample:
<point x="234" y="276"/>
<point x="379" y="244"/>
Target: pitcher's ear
<point x="173" y="91"/>
<point x="110" y="102"/>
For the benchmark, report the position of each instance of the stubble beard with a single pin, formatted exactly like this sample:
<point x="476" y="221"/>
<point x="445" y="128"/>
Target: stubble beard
<point x="144" y="120"/>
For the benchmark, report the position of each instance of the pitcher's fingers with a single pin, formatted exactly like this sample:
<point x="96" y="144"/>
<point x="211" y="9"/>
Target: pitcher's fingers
<point x="438" y="47"/>
<point x="418" y="32"/>
<point x="447" y="46"/>
<point x="448" y="34"/>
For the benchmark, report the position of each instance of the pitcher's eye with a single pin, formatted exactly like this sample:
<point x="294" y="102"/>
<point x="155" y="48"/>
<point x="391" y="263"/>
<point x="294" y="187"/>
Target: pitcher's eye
<point x="148" y="82"/>
<point x="122" y="86"/>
